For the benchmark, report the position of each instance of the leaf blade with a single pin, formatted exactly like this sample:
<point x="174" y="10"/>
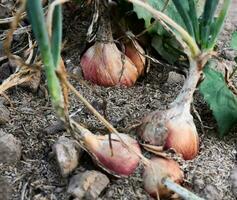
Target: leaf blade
<point x="184" y="13"/>
<point x="233" y="42"/>
<point x="56" y="39"/>
<point x="220" y="99"/>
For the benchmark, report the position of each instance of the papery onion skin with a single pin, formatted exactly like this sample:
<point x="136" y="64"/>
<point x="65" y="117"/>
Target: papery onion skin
<point x="183" y="138"/>
<point x="136" y="53"/>
<point x="172" y="130"/>
<point x="122" y="162"/>
<point x="161" y="168"/>
<point x="103" y="64"/>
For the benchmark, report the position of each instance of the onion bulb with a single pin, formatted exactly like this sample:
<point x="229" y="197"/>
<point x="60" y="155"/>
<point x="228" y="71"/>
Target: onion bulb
<point x="174" y="128"/>
<point x="103" y="64"/>
<point x="135" y="52"/>
<point x="158" y="169"/>
<point x="122" y="162"/>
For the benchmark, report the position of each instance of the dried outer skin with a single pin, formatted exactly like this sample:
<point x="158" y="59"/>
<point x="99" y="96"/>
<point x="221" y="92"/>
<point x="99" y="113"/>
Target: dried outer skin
<point x="122" y="162"/>
<point x="183" y="136"/>
<point x="159" y="169"/>
<point x="153" y="129"/>
<point x="103" y="64"/>
<point x="136" y="53"/>
<point x="172" y="129"/>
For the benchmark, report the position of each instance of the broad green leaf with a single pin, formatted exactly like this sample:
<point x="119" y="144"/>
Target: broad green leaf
<point x="220" y="98"/>
<point x="168" y="52"/>
<point x="158" y="32"/>
<point x="160" y="5"/>
<point x="233" y="42"/>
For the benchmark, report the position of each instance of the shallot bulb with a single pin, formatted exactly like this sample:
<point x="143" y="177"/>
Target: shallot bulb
<point x="158" y="169"/>
<point x="123" y="162"/>
<point x="174" y="128"/>
<point x="135" y="52"/>
<point x="103" y="64"/>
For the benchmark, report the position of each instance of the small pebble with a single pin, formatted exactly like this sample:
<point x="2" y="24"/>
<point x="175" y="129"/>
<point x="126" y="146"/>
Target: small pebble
<point x="229" y="54"/>
<point x="198" y="184"/>
<point x="4" y="114"/>
<point x="233" y="178"/>
<point x="87" y="185"/>
<point x="33" y="84"/>
<point x="10" y="149"/>
<point x="5" y="189"/>
<point x="67" y="154"/>
<point x="55" y="127"/>
<point x="40" y="197"/>
<point x="211" y="193"/>
<point x="175" y="78"/>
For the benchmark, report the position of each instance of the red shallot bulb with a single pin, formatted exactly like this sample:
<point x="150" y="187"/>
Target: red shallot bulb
<point x="135" y="52"/>
<point x="122" y="162"/>
<point x="158" y="169"/>
<point x="174" y="128"/>
<point x="103" y="64"/>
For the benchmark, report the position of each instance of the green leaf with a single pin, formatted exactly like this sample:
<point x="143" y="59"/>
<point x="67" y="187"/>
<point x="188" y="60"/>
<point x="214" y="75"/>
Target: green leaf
<point x="159" y="33"/>
<point x="168" y="52"/>
<point x="184" y="13"/>
<point x="217" y="25"/>
<point x="193" y="13"/>
<point x="220" y="98"/>
<point x="233" y="42"/>
<point x="207" y="20"/>
<point x="36" y="16"/>
<point x="170" y="10"/>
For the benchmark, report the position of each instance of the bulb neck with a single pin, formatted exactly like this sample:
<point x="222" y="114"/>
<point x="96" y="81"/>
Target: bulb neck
<point x="104" y="33"/>
<point x="185" y="97"/>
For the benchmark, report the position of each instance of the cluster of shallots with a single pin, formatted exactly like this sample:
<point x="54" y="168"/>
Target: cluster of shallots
<point x="106" y="65"/>
<point x="122" y="160"/>
<point x="168" y="129"/>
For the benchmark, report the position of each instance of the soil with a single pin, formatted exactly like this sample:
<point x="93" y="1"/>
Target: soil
<point x="31" y="113"/>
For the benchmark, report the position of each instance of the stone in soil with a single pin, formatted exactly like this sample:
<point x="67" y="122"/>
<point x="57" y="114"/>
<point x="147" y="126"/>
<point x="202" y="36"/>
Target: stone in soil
<point x="33" y="84"/>
<point x="87" y="185"/>
<point x="175" y="78"/>
<point x="55" y="127"/>
<point x="198" y="184"/>
<point x="40" y="197"/>
<point x="5" y="189"/>
<point x="229" y="54"/>
<point x="233" y="178"/>
<point x="10" y="149"/>
<point x="4" y="114"/>
<point x="67" y="153"/>
<point x="211" y="193"/>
